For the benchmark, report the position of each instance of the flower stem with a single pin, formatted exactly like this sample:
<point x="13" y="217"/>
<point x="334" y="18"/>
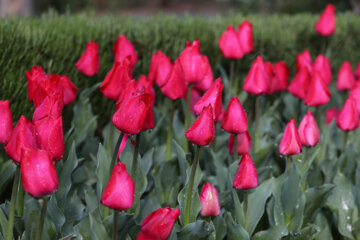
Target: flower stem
<point x="306" y="154"/>
<point x="116" y="150"/>
<point x="191" y="185"/>
<point x="13" y="201"/>
<point x="346" y="133"/>
<point x="115" y="225"/>
<point x="257" y="122"/>
<point x="187" y="119"/>
<point x="20" y="200"/>
<point x="288" y="163"/>
<point x="168" y="149"/>
<point x="136" y="152"/>
<point x="42" y="218"/>
<point x="235" y="147"/>
<point x="231" y="75"/>
<point x="245" y="205"/>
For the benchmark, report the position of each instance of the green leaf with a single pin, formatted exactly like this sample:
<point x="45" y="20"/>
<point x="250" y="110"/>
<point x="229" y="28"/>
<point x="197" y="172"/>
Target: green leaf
<point x="308" y="232"/>
<point x="195" y="204"/>
<point x="103" y="162"/>
<point x="239" y="213"/>
<point x="291" y="193"/>
<point x="183" y="163"/>
<point x="98" y="230"/>
<point x="7" y="170"/>
<point x="273" y="233"/>
<point x="55" y="213"/>
<point x="235" y="231"/>
<point x="3" y="224"/>
<point x="196" y="230"/>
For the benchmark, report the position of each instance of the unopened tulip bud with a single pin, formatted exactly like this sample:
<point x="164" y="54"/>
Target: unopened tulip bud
<point x="309" y="131"/>
<point x="290" y="143"/>
<point x="209" y="201"/>
<point x="246" y="176"/>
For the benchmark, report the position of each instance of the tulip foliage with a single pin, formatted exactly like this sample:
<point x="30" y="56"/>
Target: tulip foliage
<point x="121" y="180"/>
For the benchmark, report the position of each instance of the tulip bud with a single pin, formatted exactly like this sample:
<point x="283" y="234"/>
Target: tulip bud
<point x="244" y="143"/>
<point x="116" y="79"/>
<point x="34" y="76"/>
<point x="357" y="71"/>
<point x="348" y="117"/>
<point x="22" y="136"/>
<point x="309" y="131"/>
<point x="318" y="93"/>
<point x="280" y="77"/>
<point x="68" y="88"/>
<point x="299" y="86"/>
<point x="355" y="94"/>
<point x="143" y="85"/>
<point x="6" y="121"/>
<point x="124" y="48"/>
<point x="202" y="131"/>
<point x="257" y="81"/>
<point x="89" y="62"/>
<point x="194" y="65"/>
<point x="326" y="23"/>
<point x="132" y="113"/>
<point x="207" y="81"/>
<point x="246" y="176"/>
<point x="346" y="79"/>
<point x="322" y="65"/>
<point x="175" y="85"/>
<point x="50" y="136"/>
<point x="235" y="119"/>
<point x="304" y="60"/>
<point x="160" y="68"/>
<point x="246" y="37"/>
<point x="48" y="88"/>
<point x="51" y="106"/>
<point x="209" y="200"/>
<point x="213" y="97"/>
<point x="38" y="173"/>
<point x="120" y="191"/>
<point x="158" y="224"/>
<point x="229" y="44"/>
<point x="331" y="114"/>
<point x="290" y="143"/>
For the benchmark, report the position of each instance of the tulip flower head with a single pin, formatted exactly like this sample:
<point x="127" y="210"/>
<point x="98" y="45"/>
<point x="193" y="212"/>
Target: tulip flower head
<point x="304" y="60"/>
<point x="318" y="92"/>
<point x="122" y="49"/>
<point x="346" y="79"/>
<point x="257" y="81"/>
<point x="69" y="90"/>
<point x="51" y="106"/>
<point x="89" y="62"/>
<point x="244" y="143"/>
<point x="355" y="94"/>
<point x="299" y="86"/>
<point x="322" y="66"/>
<point x="6" y="121"/>
<point x="235" y="118"/>
<point x="246" y="176"/>
<point x="209" y="200"/>
<point x="348" y="117"/>
<point x="326" y="23"/>
<point x="175" y="86"/>
<point x="290" y="143"/>
<point x="309" y="131"/>
<point x="279" y="77"/>
<point x="331" y="114"/>
<point x="229" y="44"/>
<point x="207" y="81"/>
<point x="34" y="77"/>
<point x="160" y="68"/>
<point x="357" y="71"/>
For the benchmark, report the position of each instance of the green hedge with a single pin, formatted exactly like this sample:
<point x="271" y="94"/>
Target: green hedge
<point x="56" y="42"/>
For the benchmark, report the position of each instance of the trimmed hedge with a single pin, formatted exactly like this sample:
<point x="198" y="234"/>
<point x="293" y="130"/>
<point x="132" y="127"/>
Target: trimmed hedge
<point x="57" y="41"/>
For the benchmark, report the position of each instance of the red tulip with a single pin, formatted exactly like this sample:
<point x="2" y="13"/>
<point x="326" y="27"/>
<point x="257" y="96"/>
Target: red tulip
<point x="202" y="131"/>
<point x="331" y="114"/>
<point x="69" y="89"/>
<point x="346" y="79"/>
<point x="357" y="71"/>
<point x="326" y="23"/>
<point x="50" y="136"/>
<point x="48" y="88"/>
<point x="246" y="37"/>
<point x="212" y="97"/>
<point x="322" y="65"/>
<point x="229" y="44"/>
<point x="51" y="106"/>
<point x="34" y="76"/>
<point x="6" y="121"/>
<point x="160" y="68"/>
<point x="116" y="80"/>
<point x="124" y="48"/>
<point x="304" y="60"/>
<point x="122" y="145"/>
<point x="22" y="136"/>
<point x="348" y="117"/>
<point x="355" y="94"/>
<point x="194" y="65"/>
<point x="280" y="77"/>
<point x="120" y="191"/>
<point x="246" y="176"/>
<point x="290" y="143"/>
<point x="132" y="113"/>
<point x="158" y="224"/>
<point x="299" y="86"/>
<point x="235" y="119"/>
<point x="38" y="173"/>
<point x="175" y="86"/>
<point x="209" y="200"/>
<point x="257" y="81"/>
<point x="89" y="62"/>
<point x="309" y="131"/>
<point x="195" y="97"/>
<point x="318" y="92"/>
<point x="145" y="86"/>
<point x="244" y="143"/>
<point x="207" y="81"/>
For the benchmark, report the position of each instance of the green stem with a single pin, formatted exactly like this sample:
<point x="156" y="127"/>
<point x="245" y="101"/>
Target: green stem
<point x="257" y="122"/>
<point x="168" y="149"/>
<point x="187" y="119"/>
<point x="235" y="147"/>
<point x="116" y="150"/>
<point x="115" y="230"/>
<point x="231" y="75"/>
<point x="245" y="206"/>
<point x="306" y="154"/>
<point x="288" y="163"/>
<point x="42" y="218"/>
<point x="136" y="152"/>
<point x="13" y="201"/>
<point x="346" y="133"/>
<point x="20" y="200"/>
<point x="191" y="185"/>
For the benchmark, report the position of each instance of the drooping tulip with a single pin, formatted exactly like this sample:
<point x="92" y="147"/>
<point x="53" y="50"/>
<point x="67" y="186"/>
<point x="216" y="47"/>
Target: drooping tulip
<point x="89" y="62"/>
<point x="158" y="224"/>
<point x="326" y="23"/>
<point x="124" y="48"/>
<point x="346" y="79"/>
<point x="299" y="86"/>
<point x="304" y="60"/>
<point x="318" y="92"/>
<point x="290" y="143"/>
<point x="309" y="131"/>
<point x="246" y="37"/>
<point x="6" y="121"/>
<point x="23" y="135"/>
<point x="160" y="68"/>
<point x="202" y="131"/>
<point x="209" y="200"/>
<point x="331" y="114"/>
<point x="348" y="117"/>
<point x="322" y="65"/>
<point x="34" y="77"/>
<point x="257" y="81"/>
<point x="229" y="44"/>
<point x="38" y="173"/>
<point x="212" y="96"/>
<point x="235" y="118"/>
<point x="120" y="190"/>
<point x="244" y="143"/>
<point x="246" y="176"/>
<point x="175" y="86"/>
